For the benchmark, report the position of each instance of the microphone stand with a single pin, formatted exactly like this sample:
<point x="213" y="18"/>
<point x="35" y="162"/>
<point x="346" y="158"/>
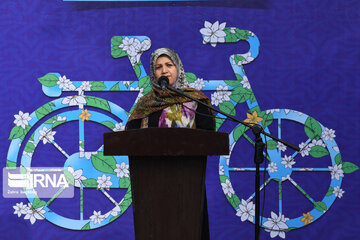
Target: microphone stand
<point x="258" y="155"/>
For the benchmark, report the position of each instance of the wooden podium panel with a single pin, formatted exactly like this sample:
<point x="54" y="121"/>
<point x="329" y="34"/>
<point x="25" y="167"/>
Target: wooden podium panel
<point x="167" y="173"/>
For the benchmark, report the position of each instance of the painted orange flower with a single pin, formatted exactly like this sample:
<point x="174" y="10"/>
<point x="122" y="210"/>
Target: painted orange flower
<point x="307" y="218"/>
<point x="84" y="115"/>
<point x="253" y="118"/>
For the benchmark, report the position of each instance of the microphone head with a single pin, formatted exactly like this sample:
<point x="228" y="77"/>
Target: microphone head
<point x="163" y="81"/>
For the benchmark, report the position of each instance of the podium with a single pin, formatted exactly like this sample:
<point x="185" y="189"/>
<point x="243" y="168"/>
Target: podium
<point x="167" y="174"/>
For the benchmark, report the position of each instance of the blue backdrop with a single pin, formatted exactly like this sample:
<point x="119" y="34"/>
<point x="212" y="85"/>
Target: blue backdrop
<point x="308" y="61"/>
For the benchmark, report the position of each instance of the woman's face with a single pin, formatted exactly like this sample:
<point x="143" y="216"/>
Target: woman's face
<point x="164" y="66"/>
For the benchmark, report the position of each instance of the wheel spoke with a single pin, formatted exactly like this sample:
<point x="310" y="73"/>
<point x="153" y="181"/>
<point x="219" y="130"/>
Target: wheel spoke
<point x="234" y="169"/>
<point x="60" y="149"/>
<point x="300" y="189"/>
<point x="81" y="138"/>
<point x="311" y="170"/>
<point x="280" y="197"/>
<point x="55" y="195"/>
<point x="81" y="202"/>
<point x="109" y="197"/>
<point x="261" y="188"/>
<point x="279" y="128"/>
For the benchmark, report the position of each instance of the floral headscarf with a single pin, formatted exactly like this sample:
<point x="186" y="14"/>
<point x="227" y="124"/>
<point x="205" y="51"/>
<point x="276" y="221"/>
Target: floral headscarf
<point x="180" y="81"/>
<point x="158" y="99"/>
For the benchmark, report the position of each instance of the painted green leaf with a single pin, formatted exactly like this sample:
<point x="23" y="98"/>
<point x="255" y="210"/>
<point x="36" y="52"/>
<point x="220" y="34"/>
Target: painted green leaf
<point x="69" y="177"/>
<point x="312" y="128"/>
<point x="238" y="58"/>
<point x="349" y="167"/>
<point x="57" y="123"/>
<point x="230" y="37"/>
<point x="338" y="159"/>
<point x="90" y="183"/>
<point x="82" y="144"/>
<point x="125" y="204"/>
<point x="114" y="218"/>
<point x="44" y="110"/>
<point x="190" y="77"/>
<point x="257" y="109"/>
<point x="51" y="120"/>
<point x="147" y="89"/>
<point x="97" y="85"/>
<point x="97" y="102"/>
<point x="234" y="200"/>
<point x="137" y="70"/>
<point x="115" y="87"/>
<point x="223" y="178"/>
<point x="124" y="182"/>
<point x="117" y="52"/>
<point x="29" y="147"/>
<point x="10" y="164"/>
<point x="105" y="164"/>
<point x="18" y="132"/>
<point x="242" y="34"/>
<point x="49" y="80"/>
<point x="238" y="77"/>
<point x="86" y="226"/>
<point x="233" y="83"/>
<point x="116" y="40"/>
<point x="37" y="203"/>
<point x="239" y="131"/>
<point x="240" y="94"/>
<point x="227" y="107"/>
<point x="108" y="124"/>
<point x="144" y="82"/>
<point x="330" y="191"/>
<point x="320" y="206"/>
<point x="252" y="98"/>
<point x="218" y="123"/>
<point x="271" y="144"/>
<point x="267" y="119"/>
<point x="318" y="151"/>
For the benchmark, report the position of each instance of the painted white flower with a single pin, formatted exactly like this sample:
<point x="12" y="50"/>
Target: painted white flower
<point x="65" y="84"/>
<point x="272" y="110"/>
<point x="245" y="82"/>
<point x="20" y="209"/>
<point x="126" y="83"/>
<point x="272" y="167"/>
<point x="287" y="177"/>
<point x="34" y="214"/>
<point x="78" y="177"/>
<point x="141" y="90"/>
<point x="85" y="86"/>
<point x="104" y="182"/>
<point x="122" y="170"/>
<point x="198" y="84"/>
<point x="216" y="99"/>
<point x="130" y="45"/>
<point x="328" y="134"/>
<point x="276" y="225"/>
<point x="336" y="171"/>
<point x="145" y="45"/>
<point x="336" y="148"/>
<point x="227" y="188"/>
<point x="223" y="92"/>
<point x="247" y="59"/>
<point x="60" y="119"/>
<point x="299" y="113"/>
<point x="46" y="135"/>
<point x="246" y="211"/>
<point x="319" y="142"/>
<point x="22" y="119"/>
<point x="338" y="192"/>
<point x="287" y="111"/>
<point x="119" y="127"/>
<point x="287" y="161"/>
<point x="213" y="33"/>
<point x="221" y="170"/>
<point x="97" y="217"/>
<point x="75" y="101"/>
<point x="281" y="147"/>
<point x="304" y="149"/>
<point x="113" y="212"/>
<point x="232" y="30"/>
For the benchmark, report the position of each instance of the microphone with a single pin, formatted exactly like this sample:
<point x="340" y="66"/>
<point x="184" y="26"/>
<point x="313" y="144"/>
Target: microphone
<point x="163" y="82"/>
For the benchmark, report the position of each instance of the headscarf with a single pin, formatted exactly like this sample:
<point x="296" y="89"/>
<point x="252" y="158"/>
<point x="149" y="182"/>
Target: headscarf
<point x="158" y="99"/>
